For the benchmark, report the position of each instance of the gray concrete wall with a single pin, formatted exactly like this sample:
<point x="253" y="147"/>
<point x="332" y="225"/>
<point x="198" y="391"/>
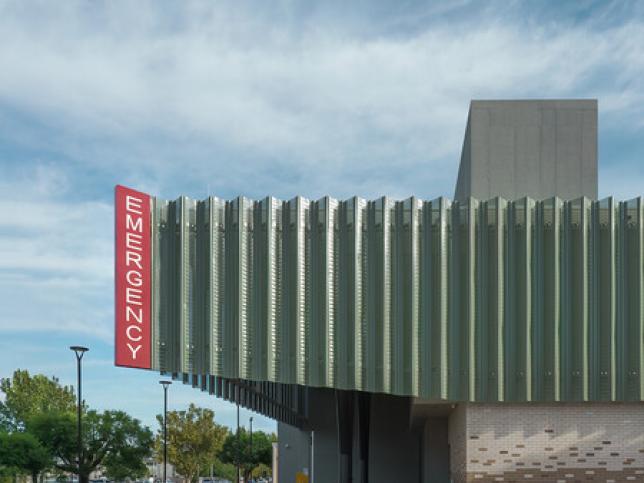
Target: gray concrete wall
<point x="435" y="451"/>
<point x="294" y="451"/>
<point x="535" y="148"/>
<point x="457" y="426"/>
<point x="394" y="452"/>
<point x="323" y="423"/>
<point x="319" y="439"/>
<point x="408" y="441"/>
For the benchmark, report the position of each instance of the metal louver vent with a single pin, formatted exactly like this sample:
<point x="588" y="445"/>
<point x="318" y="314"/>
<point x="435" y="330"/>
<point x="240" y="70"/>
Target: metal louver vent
<point x="464" y="301"/>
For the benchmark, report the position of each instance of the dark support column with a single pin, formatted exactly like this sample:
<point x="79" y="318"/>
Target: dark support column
<point x="344" y="408"/>
<point x="364" y="417"/>
<point x="436" y="451"/>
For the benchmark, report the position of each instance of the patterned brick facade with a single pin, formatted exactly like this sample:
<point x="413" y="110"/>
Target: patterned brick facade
<point x="552" y="443"/>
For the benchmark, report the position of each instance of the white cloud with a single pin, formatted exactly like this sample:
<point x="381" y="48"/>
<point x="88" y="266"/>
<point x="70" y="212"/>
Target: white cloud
<point x="328" y="104"/>
<point x="55" y="257"/>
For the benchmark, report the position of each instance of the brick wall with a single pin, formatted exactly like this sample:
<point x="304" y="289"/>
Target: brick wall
<point x="547" y="442"/>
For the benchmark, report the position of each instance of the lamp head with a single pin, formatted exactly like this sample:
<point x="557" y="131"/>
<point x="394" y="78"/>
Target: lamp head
<point x="79" y="350"/>
<point x="165" y="383"/>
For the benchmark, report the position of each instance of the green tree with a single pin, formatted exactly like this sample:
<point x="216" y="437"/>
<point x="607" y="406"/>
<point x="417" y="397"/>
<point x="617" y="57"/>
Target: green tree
<point x="22" y="453"/>
<point x="239" y="449"/>
<point x="224" y="470"/>
<point x="26" y="396"/>
<point x="194" y="440"/>
<point x="112" y="440"/>
<point x="262" y="470"/>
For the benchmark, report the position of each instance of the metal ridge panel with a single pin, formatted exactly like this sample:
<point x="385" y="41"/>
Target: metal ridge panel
<point x="490" y="300"/>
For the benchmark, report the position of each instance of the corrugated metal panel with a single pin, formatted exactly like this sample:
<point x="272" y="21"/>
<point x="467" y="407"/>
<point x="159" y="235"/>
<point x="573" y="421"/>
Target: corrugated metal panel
<point x="480" y="301"/>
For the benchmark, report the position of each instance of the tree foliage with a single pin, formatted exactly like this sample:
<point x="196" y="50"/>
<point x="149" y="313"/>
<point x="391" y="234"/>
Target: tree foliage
<point x="223" y="470"/>
<point x="262" y="470"/>
<point x="26" y="396"/>
<point x="111" y="439"/>
<point x="194" y="440"/>
<point x="239" y="449"/>
<point x="38" y="417"/>
<point x="22" y="453"/>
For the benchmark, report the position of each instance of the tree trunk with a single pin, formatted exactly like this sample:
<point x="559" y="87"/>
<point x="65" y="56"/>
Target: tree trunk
<point x="34" y="477"/>
<point x="83" y="479"/>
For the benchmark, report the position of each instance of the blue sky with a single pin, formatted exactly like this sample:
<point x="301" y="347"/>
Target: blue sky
<point x="293" y="98"/>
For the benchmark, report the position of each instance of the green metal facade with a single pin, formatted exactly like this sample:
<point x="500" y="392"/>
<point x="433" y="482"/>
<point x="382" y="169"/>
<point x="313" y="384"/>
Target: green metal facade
<point x="472" y="301"/>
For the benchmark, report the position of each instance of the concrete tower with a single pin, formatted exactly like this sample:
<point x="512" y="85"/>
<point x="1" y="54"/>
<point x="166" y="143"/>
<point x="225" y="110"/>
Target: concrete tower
<point x="539" y="149"/>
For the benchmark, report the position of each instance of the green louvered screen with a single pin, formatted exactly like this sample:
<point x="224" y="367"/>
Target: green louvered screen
<point x="480" y="300"/>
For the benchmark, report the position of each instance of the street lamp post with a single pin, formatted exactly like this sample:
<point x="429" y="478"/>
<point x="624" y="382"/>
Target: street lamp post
<point x="165" y="385"/>
<point x="80" y="352"/>
<point x="251" y="448"/>
<point x="238" y="440"/>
